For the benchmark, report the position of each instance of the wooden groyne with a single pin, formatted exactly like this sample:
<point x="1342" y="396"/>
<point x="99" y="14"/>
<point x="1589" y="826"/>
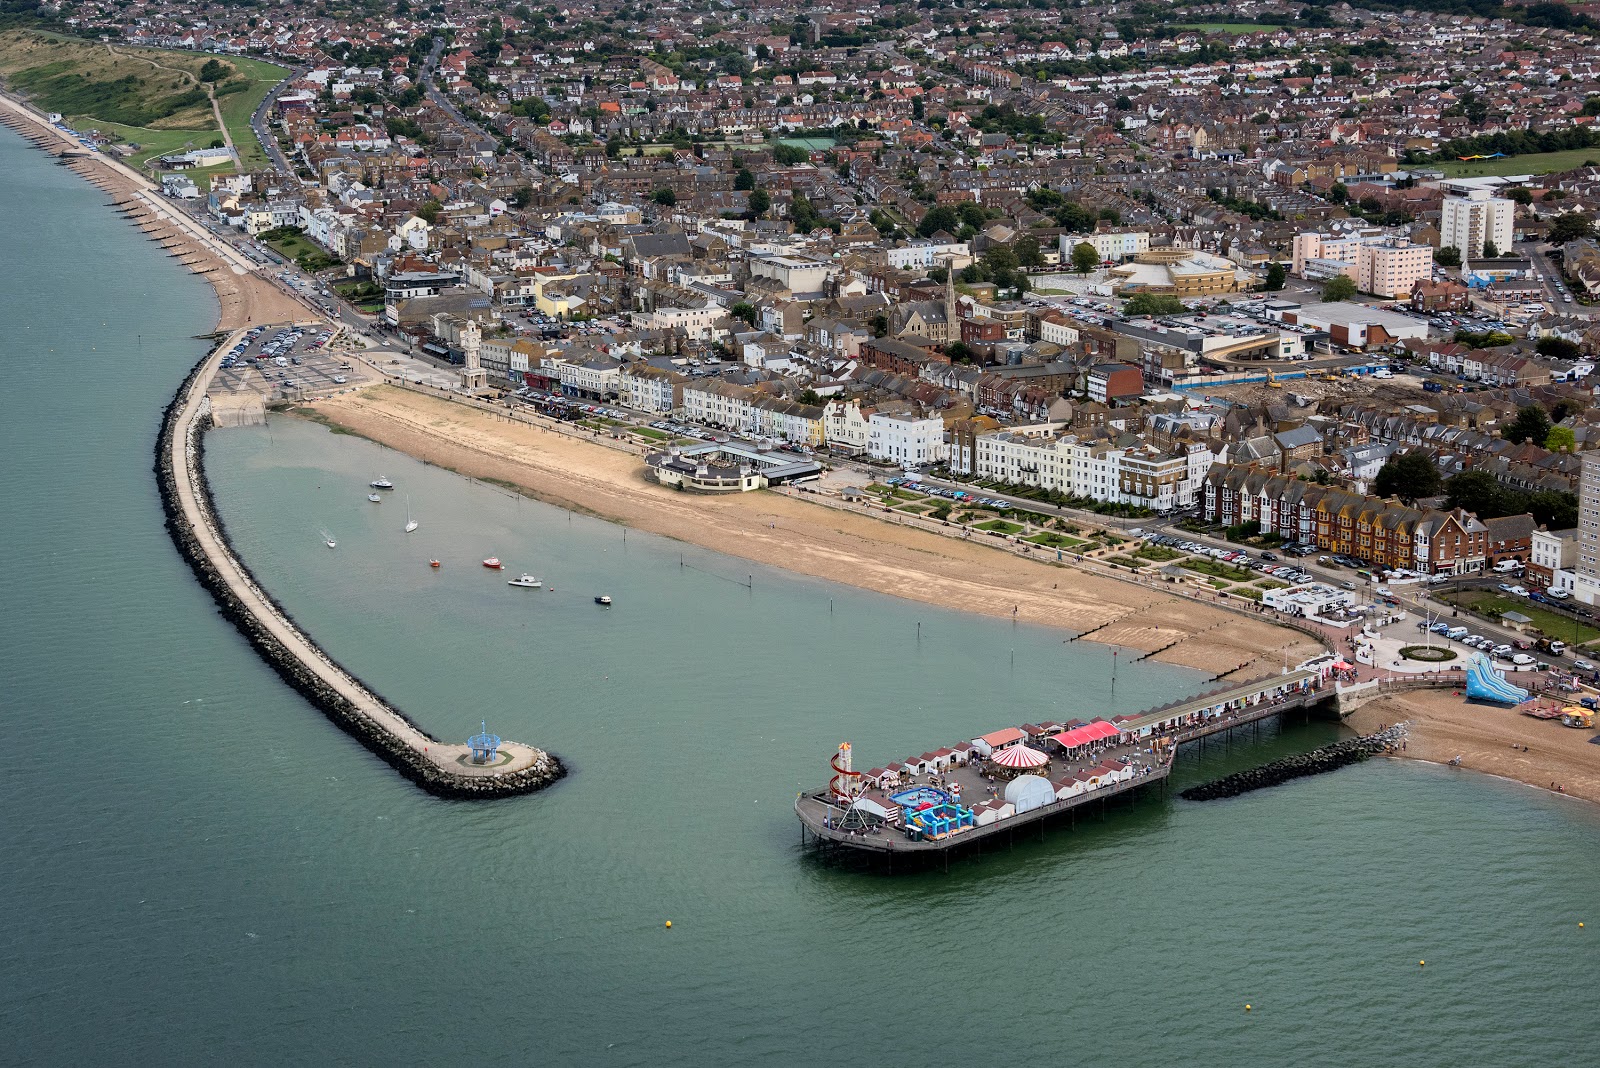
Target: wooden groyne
<point x="1327" y="758"/>
<point x="440" y="768"/>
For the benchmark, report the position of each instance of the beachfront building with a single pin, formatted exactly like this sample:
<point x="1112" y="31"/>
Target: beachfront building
<point x="905" y="438"/>
<point x="594" y="379"/>
<point x="648" y="388"/>
<point x="1138" y="474"/>
<point x="729" y="467"/>
<point x="845" y="426"/>
<point x="1586" y="578"/>
<point x="752" y="412"/>
<point x="1381" y="532"/>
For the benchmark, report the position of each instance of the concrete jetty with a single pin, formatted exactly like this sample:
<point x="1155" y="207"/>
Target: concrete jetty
<point x="441" y="768"/>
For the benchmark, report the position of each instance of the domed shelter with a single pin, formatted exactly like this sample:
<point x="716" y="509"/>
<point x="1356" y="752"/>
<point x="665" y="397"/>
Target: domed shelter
<point x="1016" y="760"/>
<point x="1028" y="792"/>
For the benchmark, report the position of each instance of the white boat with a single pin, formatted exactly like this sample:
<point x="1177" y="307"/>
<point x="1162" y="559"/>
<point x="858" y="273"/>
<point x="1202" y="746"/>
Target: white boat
<point x="604" y="599"/>
<point x="381" y="483"/>
<point x="411" y="524"/>
<point x="527" y="582"/>
<point x="327" y="539"/>
<point x="374" y="498"/>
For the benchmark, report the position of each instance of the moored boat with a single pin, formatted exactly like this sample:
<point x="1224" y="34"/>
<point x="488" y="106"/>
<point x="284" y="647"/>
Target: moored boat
<point x="374" y="498"/>
<point x="526" y="582"/>
<point x="604" y="599"/>
<point x="493" y="563"/>
<point x="433" y="563"/>
<point x="381" y="483"/>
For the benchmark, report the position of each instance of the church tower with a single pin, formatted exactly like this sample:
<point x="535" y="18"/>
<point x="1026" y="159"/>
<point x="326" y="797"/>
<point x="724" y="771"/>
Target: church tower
<point x="473" y="376"/>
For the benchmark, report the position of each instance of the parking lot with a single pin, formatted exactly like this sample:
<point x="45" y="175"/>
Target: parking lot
<point x="284" y="361"/>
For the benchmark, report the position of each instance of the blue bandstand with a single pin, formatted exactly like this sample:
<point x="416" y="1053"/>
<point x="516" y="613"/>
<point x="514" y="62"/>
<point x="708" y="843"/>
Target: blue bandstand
<point x="485" y="746"/>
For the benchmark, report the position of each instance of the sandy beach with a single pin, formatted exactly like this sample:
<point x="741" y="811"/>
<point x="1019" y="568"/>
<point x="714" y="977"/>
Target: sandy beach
<point x="1444" y="725"/>
<point x="815" y="540"/>
<point x="243" y="295"/>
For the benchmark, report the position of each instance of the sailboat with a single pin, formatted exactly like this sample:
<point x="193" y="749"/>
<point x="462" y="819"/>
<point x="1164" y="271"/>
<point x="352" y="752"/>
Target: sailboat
<point x="411" y="524"/>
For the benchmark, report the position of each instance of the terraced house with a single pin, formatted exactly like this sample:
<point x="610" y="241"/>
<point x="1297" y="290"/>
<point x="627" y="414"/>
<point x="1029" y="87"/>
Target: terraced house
<point x="1381" y="532"/>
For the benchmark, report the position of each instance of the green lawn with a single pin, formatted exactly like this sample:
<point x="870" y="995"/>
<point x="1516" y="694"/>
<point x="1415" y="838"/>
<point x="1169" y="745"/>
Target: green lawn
<point x="1218" y="570"/>
<point x="1551" y="624"/>
<point x="1055" y="541"/>
<point x="1228" y="27"/>
<point x="1000" y="526"/>
<point x="1535" y="163"/>
<point x="1249" y="593"/>
<point x="299" y="248"/>
<point x="650" y="432"/>
<point x="1271" y="584"/>
<point x="1158" y="553"/>
<point x="237" y="107"/>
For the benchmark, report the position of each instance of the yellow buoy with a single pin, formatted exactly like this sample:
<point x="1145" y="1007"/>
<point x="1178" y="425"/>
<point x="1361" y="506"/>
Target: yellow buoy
<point x="1422" y="964"/>
<point x="1580" y="923"/>
<point x="1247" y="1008"/>
<point x="669" y="923"/>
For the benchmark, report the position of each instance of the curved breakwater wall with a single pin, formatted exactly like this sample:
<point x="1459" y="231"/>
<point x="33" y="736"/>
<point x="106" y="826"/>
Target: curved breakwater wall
<point x="382" y="741"/>
<point x="1327" y="758"/>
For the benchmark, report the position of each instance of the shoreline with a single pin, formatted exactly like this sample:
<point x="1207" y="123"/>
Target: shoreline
<point x="1443" y="725"/>
<point x="789" y="531"/>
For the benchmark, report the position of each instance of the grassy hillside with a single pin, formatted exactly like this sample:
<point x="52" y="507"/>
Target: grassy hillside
<point x="146" y="96"/>
<point x="1534" y="163"/>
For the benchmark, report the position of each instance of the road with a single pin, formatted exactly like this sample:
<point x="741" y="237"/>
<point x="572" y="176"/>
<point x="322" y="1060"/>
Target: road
<point x="1549" y="278"/>
<point x="258" y="123"/>
<point x="439" y="100"/>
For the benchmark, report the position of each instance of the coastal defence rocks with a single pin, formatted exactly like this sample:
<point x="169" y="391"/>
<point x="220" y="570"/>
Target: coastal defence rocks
<point x="386" y="743"/>
<point x="1328" y="758"/>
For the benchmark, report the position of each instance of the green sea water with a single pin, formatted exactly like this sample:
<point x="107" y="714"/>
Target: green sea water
<point x="196" y="867"/>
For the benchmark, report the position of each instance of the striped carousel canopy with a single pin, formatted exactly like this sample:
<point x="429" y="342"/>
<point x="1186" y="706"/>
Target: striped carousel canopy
<point x="1019" y="756"/>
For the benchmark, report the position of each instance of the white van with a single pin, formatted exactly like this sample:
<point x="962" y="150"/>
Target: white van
<point x="1505" y="567"/>
<point x="1456" y="633"/>
<point x="1383" y="372"/>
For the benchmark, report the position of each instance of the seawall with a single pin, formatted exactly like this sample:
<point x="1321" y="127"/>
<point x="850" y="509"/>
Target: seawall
<point x="440" y="768"/>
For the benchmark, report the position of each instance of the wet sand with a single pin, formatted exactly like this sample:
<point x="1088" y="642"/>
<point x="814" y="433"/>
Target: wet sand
<point x="813" y="539"/>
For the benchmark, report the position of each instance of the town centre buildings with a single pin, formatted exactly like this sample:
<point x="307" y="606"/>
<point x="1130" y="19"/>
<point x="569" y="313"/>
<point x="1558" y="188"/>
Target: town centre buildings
<point x="1135" y="474"/>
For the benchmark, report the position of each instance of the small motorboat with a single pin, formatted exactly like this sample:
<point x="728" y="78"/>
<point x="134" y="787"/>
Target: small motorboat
<point x="604" y="599"/>
<point x="374" y="498"/>
<point x="381" y="483"/>
<point x="493" y="563"/>
<point x="433" y="563"/>
<point x="527" y="582"/>
<point x="327" y="539"/>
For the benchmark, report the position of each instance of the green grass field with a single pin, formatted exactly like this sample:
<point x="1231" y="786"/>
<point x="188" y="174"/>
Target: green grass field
<point x="1228" y="27"/>
<point x="1551" y="624"/>
<point x="144" y="96"/>
<point x="1537" y="163"/>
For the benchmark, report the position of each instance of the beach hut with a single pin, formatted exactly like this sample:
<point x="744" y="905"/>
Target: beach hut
<point x="996" y="740"/>
<point x="992" y="810"/>
<point x="1071" y="786"/>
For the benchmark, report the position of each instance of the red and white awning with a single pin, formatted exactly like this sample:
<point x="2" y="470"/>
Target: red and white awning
<point x="1019" y="756"/>
<point x="1089" y="732"/>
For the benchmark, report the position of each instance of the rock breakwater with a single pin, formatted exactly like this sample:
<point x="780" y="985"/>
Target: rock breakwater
<point x="397" y="747"/>
<point x="1327" y="758"/>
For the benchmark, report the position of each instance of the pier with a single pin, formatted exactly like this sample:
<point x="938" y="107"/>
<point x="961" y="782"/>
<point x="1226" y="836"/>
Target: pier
<point x="471" y="770"/>
<point x="972" y="788"/>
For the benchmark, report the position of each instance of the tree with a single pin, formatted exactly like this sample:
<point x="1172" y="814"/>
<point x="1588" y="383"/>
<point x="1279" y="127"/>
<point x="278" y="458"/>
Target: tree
<point x="1476" y="492"/>
<point x="1409" y="476"/>
<point x="1449" y="256"/>
<point x="213" y="71"/>
<point x="665" y="197"/>
<point x="1276" y="277"/>
<point x="744" y="311"/>
<point x="917" y="108"/>
<point x="943" y="217"/>
<point x="1123" y="103"/>
<point x="744" y="179"/>
<point x="788" y="155"/>
<point x="1490" y="250"/>
<point x="1154" y="304"/>
<point x="1555" y="509"/>
<point x="1028" y="252"/>
<point x="1570" y="226"/>
<point x="1558" y="348"/>
<point x="1338" y="193"/>
<point x="810" y="396"/>
<point x="1084" y="257"/>
<point x="959" y="352"/>
<point x="522" y="197"/>
<point x="1531" y="424"/>
<point x="429" y="212"/>
<point x="1340" y="288"/>
<point x="1521" y="196"/>
<point x="759" y="203"/>
<point x="1561" y="438"/>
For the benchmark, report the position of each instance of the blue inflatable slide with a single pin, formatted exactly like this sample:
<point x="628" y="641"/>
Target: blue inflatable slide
<point x="1484" y="683"/>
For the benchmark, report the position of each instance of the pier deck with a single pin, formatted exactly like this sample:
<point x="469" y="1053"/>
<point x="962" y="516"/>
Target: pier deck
<point x="1149" y="744"/>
